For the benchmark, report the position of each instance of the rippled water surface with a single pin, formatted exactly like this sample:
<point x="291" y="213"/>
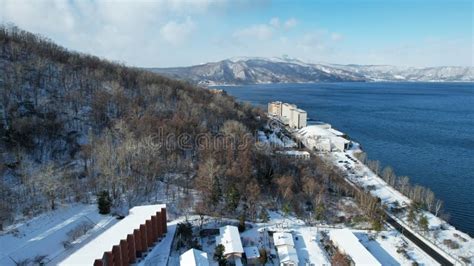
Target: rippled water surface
<point x="423" y="130"/>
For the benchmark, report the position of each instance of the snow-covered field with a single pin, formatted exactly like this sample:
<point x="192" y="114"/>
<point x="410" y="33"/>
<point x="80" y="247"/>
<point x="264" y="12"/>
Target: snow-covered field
<point x="391" y="248"/>
<point x="44" y="235"/>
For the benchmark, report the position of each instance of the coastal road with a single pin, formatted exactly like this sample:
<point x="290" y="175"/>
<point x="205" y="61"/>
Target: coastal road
<point x="399" y="227"/>
<point x="420" y="243"/>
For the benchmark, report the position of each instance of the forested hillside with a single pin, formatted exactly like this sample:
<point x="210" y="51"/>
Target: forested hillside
<point x="73" y="126"/>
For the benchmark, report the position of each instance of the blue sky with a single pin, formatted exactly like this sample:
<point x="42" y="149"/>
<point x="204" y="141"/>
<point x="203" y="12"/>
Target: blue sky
<point x="184" y="32"/>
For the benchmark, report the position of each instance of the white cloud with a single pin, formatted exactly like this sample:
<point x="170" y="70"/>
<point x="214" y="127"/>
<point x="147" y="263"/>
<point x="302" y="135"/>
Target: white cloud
<point x="176" y="32"/>
<point x="275" y="22"/>
<point x="38" y="16"/>
<point x="264" y="32"/>
<point x="290" y="23"/>
<point x="143" y="32"/>
<point x="261" y="32"/>
<point x="336" y="36"/>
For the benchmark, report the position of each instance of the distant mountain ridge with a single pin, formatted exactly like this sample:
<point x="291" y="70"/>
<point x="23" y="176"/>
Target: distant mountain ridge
<point x="257" y="70"/>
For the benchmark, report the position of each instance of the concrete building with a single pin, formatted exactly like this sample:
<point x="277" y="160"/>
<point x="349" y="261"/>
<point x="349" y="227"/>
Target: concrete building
<point x="298" y="118"/>
<point x="286" y="113"/>
<point x="125" y="241"/>
<point x="194" y="257"/>
<point x="322" y="137"/>
<point x="347" y="243"/>
<point x="285" y="249"/>
<point x="229" y="237"/>
<point x="274" y="108"/>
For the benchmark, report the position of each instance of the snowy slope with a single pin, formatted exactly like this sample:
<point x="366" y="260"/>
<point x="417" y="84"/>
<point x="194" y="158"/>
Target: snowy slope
<point x="44" y="235"/>
<point x="259" y="70"/>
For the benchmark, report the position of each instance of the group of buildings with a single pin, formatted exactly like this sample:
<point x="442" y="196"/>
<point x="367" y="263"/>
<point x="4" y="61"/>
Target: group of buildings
<point x="229" y="237"/>
<point x="289" y="114"/>
<point x="318" y="137"/>
<point x="133" y="237"/>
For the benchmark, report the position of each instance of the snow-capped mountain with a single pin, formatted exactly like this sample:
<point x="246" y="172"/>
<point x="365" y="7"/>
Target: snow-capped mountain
<point x="393" y="73"/>
<point x="259" y="70"/>
<point x="256" y="70"/>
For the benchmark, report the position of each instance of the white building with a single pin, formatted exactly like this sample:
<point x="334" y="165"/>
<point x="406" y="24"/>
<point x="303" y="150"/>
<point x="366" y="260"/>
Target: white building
<point x="302" y="118"/>
<point x="114" y="235"/>
<point x="229" y="237"/>
<point x="194" y="257"/>
<point x="274" y="108"/>
<point x="285" y="249"/>
<point x="286" y="112"/>
<point x="323" y="138"/>
<point x="348" y="244"/>
<point x="298" y="118"/>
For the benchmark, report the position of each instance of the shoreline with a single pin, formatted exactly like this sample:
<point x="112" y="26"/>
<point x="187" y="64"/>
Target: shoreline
<point x="330" y="82"/>
<point x="415" y="142"/>
<point x="389" y="196"/>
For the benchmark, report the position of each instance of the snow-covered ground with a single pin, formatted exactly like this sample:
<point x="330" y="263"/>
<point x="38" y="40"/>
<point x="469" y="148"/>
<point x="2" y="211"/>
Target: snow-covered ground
<point x="440" y="230"/>
<point x="276" y="141"/>
<point x="391" y="248"/>
<point x="44" y="235"/>
<point x="364" y="177"/>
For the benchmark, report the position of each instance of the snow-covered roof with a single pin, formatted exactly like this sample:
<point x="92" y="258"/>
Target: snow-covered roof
<point x="347" y="242"/>
<point x="230" y="238"/>
<point x="319" y="136"/>
<point x="300" y="110"/>
<point x="316" y="130"/>
<point x="281" y="238"/>
<point x="335" y="132"/>
<point x="287" y="254"/>
<point x="194" y="257"/>
<point x="112" y="236"/>
<point x="252" y="252"/>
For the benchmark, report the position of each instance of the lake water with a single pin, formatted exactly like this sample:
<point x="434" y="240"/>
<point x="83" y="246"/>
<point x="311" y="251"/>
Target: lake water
<point x="422" y="130"/>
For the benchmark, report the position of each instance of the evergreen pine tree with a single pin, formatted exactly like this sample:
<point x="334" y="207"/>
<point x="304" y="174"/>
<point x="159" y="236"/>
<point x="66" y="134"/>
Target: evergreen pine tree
<point x="104" y="202"/>
<point x="219" y="255"/>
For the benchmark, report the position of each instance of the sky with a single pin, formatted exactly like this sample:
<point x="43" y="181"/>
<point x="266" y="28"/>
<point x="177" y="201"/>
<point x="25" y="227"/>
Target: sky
<point x="169" y="33"/>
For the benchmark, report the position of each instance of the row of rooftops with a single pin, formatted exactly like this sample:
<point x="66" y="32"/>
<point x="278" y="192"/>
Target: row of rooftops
<point x="137" y="217"/>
